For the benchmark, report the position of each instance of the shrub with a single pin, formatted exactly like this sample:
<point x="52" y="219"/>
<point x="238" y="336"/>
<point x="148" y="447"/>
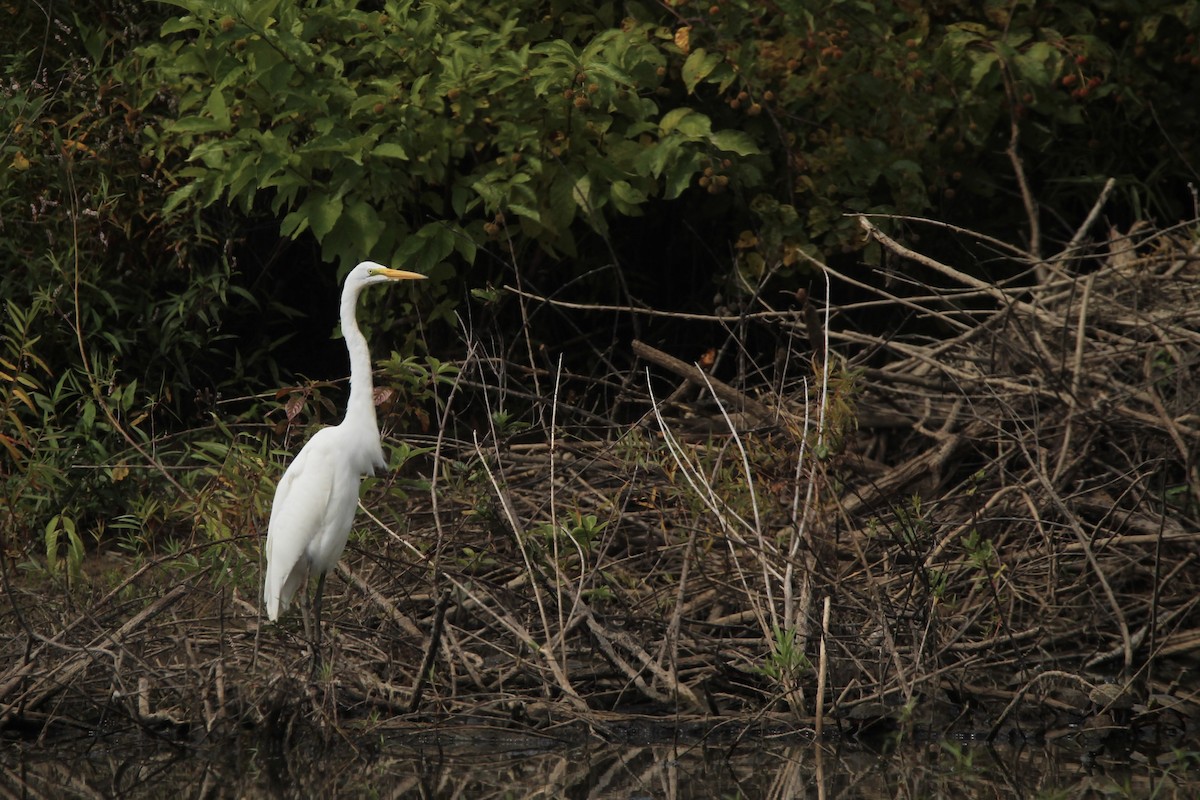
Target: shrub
<point x="418" y="132"/>
<point x="115" y="317"/>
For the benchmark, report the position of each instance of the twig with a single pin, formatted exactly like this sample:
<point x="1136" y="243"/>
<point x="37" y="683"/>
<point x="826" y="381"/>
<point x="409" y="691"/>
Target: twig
<point x="435" y="638"/>
<point x="1031" y="206"/>
<point x="1052" y="673"/>
<point x="652" y="312"/>
<point x="822" y="670"/>
<point x="1090" y="220"/>
<point x="762" y="412"/>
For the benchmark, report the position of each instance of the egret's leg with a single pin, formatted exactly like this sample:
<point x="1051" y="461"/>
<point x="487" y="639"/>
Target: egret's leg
<point x="306" y="615"/>
<point x="316" y="665"/>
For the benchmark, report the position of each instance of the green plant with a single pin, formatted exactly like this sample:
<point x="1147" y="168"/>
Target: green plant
<point x="916" y="530"/>
<point x="979" y="550"/>
<point x="410" y="386"/>
<point x="113" y="316"/>
<point x="64" y="549"/>
<point x="581" y="530"/>
<point x="964" y="757"/>
<point x="786" y="662"/>
<point x="506" y="424"/>
<point x="361" y="126"/>
<point x="29" y="477"/>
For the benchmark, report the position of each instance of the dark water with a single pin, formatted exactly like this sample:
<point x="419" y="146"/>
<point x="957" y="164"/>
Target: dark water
<point x="125" y="765"/>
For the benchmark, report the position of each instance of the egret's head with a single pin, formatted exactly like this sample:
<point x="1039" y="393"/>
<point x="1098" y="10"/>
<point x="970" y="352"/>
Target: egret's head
<point x="369" y="272"/>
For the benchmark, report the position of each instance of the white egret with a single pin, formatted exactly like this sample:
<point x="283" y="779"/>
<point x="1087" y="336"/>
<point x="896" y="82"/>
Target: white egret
<point x="316" y="499"/>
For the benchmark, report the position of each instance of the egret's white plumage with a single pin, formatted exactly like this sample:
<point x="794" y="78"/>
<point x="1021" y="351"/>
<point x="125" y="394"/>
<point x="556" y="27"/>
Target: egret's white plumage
<point x="315" y="501"/>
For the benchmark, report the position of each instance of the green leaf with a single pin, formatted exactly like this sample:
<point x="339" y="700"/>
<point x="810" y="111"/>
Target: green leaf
<point x="525" y="211"/>
<point x="626" y="193"/>
<point x="672" y="118"/>
<point x="983" y="66"/>
<point x="626" y="198"/>
<point x="180" y="195"/>
<point x="368" y="227"/>
<point x="679" y="175"/>
<point x="194" y="125"/>
<point x="581" y="195"/>
<point x="321" y="213"/>
<point x="734" y="141"/>
<point x="465" y="246"/>
<point x="654" y="159"/>
<point x="697" y="67"/>
<point x="695" y="126"/>
<point x="180" y="24"/>
<point x="390" y="150"/>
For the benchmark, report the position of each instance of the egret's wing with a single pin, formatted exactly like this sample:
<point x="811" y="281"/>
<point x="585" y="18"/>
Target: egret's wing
<point x="297" y="516"/>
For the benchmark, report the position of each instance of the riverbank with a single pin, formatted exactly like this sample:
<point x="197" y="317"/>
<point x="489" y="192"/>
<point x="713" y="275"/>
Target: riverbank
<point x="984" y="525"/>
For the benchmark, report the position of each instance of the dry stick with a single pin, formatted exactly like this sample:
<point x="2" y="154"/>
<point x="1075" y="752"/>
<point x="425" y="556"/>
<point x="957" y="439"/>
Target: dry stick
<point x="651" y="312"/>
<point x="435" y="637"/>
<point x="516" y="527"/>
<point x="1168" y="424"/>
<point x="525" y="326"/>
<point x="1072" y="398"/>
<point x="1087" y="551"/>
<point x="822" y="670"/>
<point x="547" y="649"/>
<point x="999" y="244"/>
<point x="761" y="411"/>
<point x="708" y="496"/>
<point x="920" y="467"/>
<point x="1147" y="630"/>
<point x="666" y="676"/>
<point x="953" y="535"/>
<point x="1156" y="594"/>
<point x="876" y="610"/>
<point x="1031" y="207"/>
<point x="554" y="527"/>
<point x="397" y="616"/>
<point x="564" y="623"/>
<point x="439" y="446"/>
<point x="764" y="549"/>
<point x="670" y="648"/>
<point x="951" y="315"/>
<point x="1053" y="673"/>
<point x="961" y="376"/>
<point x="1090" y="220"/>
<point x="1004" y="298"/>
<point x="67" y="671"/>
<point x="14" y="675"/>
<point x="800" y="529"/>
<point x="569" y="623"/>
<point x="937" y="266"/>
<point x="505" y="620"/>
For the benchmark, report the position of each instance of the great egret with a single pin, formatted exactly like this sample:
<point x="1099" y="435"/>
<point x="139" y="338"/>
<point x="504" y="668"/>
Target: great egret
<point x="315" y="501"/>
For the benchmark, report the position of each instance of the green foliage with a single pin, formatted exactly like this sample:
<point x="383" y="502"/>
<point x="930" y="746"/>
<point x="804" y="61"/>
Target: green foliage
<point x="64" y="549"/>
<point x="579" y="531"/>
<point x="979" y="550"/>
<point x="416" y="133"/>
<point x="413" y="385"/>
<point x="786" y="662"/>
<point x="115" y="318"/>
<point x="895" y="107"/>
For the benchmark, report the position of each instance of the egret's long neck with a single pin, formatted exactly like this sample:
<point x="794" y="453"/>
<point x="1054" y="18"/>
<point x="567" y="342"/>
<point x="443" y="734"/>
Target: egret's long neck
<point x="362" y="396"/>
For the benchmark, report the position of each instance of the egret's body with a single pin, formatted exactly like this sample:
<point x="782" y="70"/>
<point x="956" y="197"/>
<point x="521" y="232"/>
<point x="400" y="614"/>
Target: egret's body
<point x="315" y="501"/>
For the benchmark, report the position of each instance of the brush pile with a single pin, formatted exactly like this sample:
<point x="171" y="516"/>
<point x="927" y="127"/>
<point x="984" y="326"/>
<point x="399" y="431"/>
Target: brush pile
<point x="984" y="520"/>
